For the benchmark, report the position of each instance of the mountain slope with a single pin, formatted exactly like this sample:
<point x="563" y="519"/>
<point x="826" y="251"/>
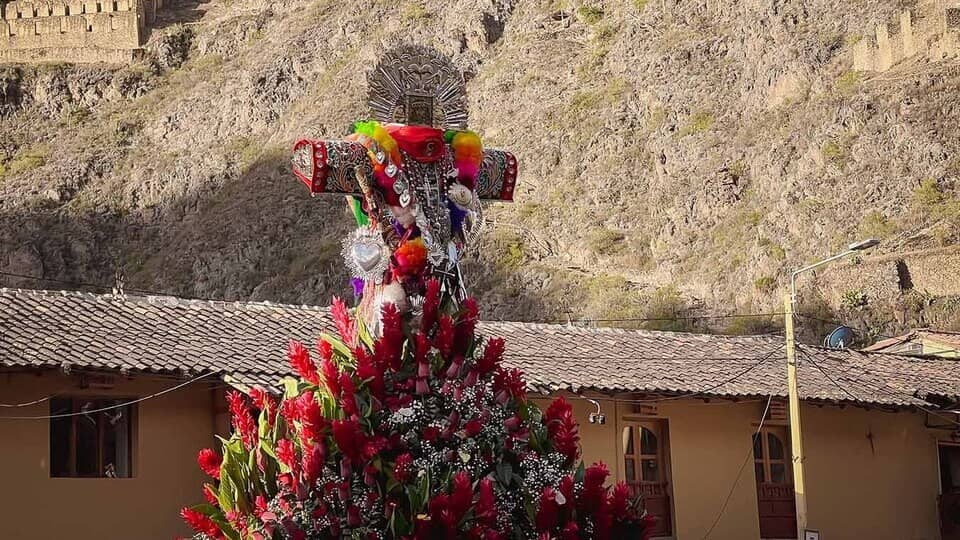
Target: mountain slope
<point x="676" y="157"/>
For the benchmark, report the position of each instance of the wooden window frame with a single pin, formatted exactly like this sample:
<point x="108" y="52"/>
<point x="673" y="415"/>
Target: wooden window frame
<point x="766" y="461"/>
<point x="75" y="404"/>
<point x="660" y="428"/>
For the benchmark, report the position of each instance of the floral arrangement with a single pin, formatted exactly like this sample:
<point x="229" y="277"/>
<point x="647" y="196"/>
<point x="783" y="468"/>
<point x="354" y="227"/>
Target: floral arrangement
<point x="415" y="432"/>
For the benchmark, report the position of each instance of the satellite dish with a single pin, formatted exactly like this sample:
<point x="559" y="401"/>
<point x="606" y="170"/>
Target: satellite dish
<point x="840" y="338"/>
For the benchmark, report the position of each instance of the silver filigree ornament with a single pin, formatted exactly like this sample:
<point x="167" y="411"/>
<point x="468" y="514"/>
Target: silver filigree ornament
<point x="366" y="254"/>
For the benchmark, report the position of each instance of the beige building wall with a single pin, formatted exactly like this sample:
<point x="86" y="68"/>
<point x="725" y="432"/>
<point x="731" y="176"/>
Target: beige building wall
<point x="168" y="432"/>
<point x="887" y="491"/>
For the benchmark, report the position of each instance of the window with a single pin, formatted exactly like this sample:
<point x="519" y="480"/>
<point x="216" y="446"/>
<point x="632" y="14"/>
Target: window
<point x="95" y="444"/>
<point x="646" y="470"/>
<point x="770" y="457"/>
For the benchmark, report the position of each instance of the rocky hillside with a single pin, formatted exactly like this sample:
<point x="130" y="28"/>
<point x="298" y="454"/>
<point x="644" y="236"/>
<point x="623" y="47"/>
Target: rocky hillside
<point x="678" y="157"/>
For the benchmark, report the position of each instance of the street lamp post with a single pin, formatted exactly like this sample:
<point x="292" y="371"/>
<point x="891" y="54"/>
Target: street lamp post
<point x="796" y="443"/>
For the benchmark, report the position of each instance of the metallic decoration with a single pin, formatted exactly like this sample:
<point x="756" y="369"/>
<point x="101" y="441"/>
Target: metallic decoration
<point x="366" y="254"/>
<point x="418" y="85"/>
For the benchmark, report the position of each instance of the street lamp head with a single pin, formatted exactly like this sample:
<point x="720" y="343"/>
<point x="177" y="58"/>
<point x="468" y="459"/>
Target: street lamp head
<point x="863" y="244"/>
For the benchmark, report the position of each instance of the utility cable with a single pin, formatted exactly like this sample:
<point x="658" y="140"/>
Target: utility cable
<point x="743" y="465"/>
<point x="120" y="405"/>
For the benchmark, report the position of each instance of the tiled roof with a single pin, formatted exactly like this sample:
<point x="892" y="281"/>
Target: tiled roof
<point x="947" y="338"/>
<point x="246" y="341"/>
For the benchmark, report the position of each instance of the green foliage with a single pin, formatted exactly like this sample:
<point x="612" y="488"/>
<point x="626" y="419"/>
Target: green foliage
<point x="606" y="242"/>
<point x="854" y="299"/>
<point x="27" y="160"/>
<point x="639" y="5"/>
<point x="698" y="122"/>
<point x="833" y="153"/>
<point x="765" y="284"/>
<point x="414" y="11"/>
<point x="512" y="247"/>
<point x="75" y="117"/>
<point x="534" y="213"/>
<point x="876" y="225"/>
<point x="246" y="150"/>
<point x="928" y="194"/>
<point x="848" y="83"/>
<point x="772" y="249"/>
<point x="665" y="308"/>
<point x="752" y="326"/>
<point x="590" y="14"/>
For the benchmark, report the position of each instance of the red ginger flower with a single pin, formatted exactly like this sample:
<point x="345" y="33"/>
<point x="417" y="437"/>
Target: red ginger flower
<point x="312" y="461"/>
<point x="287" y="453"/>
<point x="562" y="429"/>
<point x="210" y="494"/>
<point x="492" y="356"/>
<point x="486" y="509"/>
<point x="620" y="502"/>
<point x="461" y="494"/>
<point x="201" y="523"/>
<point x="331" y="376"/>
<point x="594" y="493"/>
<point x="370" y="373"/>
<point x="263" y="401"/>
<point x="243" y="421"/>
<point x="300" y="361"/>
<point x="549" y="511"/>
<point x="350" y="438"/>
<point x="344" y="322"/>
<point x="466" y="326"/>
<point x="509" y="383"/>
<point x="210" y="462"/>
<point x="389" y="347"/>
<point x="431" y="303"/>
<point x="443" y="340"/>
<point x="348" y="391"/>
<point x="401" y="468"/>
<point x="310" y="417"/>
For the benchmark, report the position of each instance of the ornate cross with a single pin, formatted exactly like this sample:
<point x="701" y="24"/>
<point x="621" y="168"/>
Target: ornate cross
<point x="418" y="171"/>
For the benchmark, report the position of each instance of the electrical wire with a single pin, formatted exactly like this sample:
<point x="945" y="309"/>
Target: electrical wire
<point x="28" y="403"/>
<point x="120" y="405"/>
<point x="884" y="336"/>
<point x="736" y="481"/>
<point x="887" y="391"/>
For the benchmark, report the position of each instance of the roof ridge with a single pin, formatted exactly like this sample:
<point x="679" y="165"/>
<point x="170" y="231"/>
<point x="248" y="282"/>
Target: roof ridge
<point x="158" y="299"/>
<point x="640" y="331"/>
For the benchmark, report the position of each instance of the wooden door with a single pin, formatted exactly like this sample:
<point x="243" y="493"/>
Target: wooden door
<point x="775" y="498"/>
<point x="646" y="471"/>
<point x="949" y="502"/>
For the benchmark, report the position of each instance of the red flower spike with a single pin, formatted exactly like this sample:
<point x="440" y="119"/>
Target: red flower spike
<point x="331" y="376"/>
<point x="209" y="462"/>
<point x="461" y="495"/>
<point x="312" y="462"/>
<point x="549" y="511"/>
<point x="310" y="417"/>
<point x="466" y="326"/>
<point x="287" y="453"/>
<point x="348" y="392"/>
<point x="443" y="340"/>
<point x="562" y="429"/>
<point x="492" y="356"/>
<point x="509" y="384"/>
<point x="349" y="438"/>
<point x="210" y="494"/>
<point x="325" y="349"/>
<point x="402" y="468"/>
<point x="486" y="508"/>
<point x="431" y="303"/>
<point x="242" y="419"/>
<point x="594" y="493"/>
<point x="344" y="322"/>
<point x="300" y="361"/>
<point x="370" y="373"/>
<point x="201" y="523"/>
<point x="389" y="347"/>
<point x="620" y="502"/>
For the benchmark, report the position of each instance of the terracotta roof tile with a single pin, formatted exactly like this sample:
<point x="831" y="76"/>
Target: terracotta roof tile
<point x="247" y="341"/>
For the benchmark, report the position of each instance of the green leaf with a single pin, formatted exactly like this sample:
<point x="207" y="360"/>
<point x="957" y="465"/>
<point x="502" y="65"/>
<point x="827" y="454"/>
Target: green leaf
<point x="340" y="348"/>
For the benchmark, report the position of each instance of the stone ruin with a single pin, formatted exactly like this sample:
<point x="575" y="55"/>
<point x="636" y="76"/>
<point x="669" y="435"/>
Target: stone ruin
<point x="109" y="31"/>
<point x="930" y="30"/>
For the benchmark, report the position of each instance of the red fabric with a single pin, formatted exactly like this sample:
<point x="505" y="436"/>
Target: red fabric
<point x="422" y="143"/>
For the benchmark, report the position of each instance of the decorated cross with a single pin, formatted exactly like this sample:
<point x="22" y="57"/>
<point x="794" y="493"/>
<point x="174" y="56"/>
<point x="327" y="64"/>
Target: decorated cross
<point x="414" y="177"/>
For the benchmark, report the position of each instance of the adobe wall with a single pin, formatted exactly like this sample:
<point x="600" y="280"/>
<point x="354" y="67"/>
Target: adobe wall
<point x="73" y="30"/>
<point x="930" y="31"/>
<point x="168" y="432"/>
<point x="935" y="272"/>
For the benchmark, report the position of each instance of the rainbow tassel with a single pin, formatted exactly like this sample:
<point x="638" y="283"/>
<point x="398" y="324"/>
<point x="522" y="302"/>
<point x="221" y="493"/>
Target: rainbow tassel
<point x="467" y="156"/>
